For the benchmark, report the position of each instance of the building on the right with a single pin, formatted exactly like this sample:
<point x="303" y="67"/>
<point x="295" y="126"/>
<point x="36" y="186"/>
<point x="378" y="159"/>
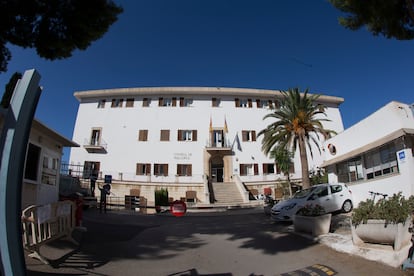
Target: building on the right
<point x="376" y="154"/>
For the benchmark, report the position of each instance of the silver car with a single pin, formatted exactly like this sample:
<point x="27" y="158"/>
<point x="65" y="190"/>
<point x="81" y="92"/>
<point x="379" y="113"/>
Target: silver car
<point x="333" y="197"/>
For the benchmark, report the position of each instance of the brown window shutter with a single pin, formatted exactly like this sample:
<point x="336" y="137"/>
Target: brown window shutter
<point x="264" y="168"/>
<point x="165" y="135"/>
<point x="270" y="104"/>
<point x="181" y="101"/>
<point x="253" y="135"/>
<point x="179" y="135"/>
<point x="113" y="103"/>
<point x="278" y="169"/>
<point x="242" y="169"/>
<point x="237" y="102"/>
<point x="165" y="169"/>
<point x="214" y="102"/>
<point x="129" y="103"/>
<point x="256" y="169"/>
<point x="249" y="101"/>
<point x="145" y="134"/>
<point x="148" y="169"/>
<point x="277" y="104"/>
<point x="190" y="170"/>
<point x="160" y="102"/>
<point x="244" y="135"/>
<point x="292" y="168"/>
<point x="138" y="169"/>
<point x="195" y="135"/>
<point x="174" y="101"/>
<point x="179" y="170"/>
<point x="259" y="103"/>
<point x="145" y="102"/>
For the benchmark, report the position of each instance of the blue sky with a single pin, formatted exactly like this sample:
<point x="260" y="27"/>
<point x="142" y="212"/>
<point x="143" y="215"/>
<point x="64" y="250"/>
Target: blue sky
<point x="233" y="43"/>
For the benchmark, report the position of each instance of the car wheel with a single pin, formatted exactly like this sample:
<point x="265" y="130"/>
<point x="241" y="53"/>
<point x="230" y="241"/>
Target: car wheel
<point x="347" y="206"/>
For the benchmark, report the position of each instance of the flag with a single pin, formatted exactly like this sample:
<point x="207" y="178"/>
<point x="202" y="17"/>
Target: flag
<point x="226" y="130"/>
<point x="211" y="125"/>
<point x="237" y="141"/>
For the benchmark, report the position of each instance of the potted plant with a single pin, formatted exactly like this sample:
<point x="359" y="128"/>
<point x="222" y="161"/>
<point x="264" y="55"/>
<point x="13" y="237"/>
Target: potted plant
<point x="312" y="219"/>
<point x="386" y="221"/>
<point x="161" y="199"/>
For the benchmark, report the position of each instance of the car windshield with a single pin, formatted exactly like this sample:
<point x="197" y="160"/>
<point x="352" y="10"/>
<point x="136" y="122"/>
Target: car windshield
<point x="304" y="193"/>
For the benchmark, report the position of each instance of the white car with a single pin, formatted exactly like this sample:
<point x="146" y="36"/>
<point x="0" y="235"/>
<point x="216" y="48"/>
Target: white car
<point x="332" y="197"/>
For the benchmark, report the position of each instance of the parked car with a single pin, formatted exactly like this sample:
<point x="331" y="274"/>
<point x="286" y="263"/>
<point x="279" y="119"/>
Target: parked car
<point x="333" y="197"/>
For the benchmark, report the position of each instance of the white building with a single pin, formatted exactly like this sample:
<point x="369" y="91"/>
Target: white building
<point x="179" y="137"/>
<point x="375" y="154"/>
<point x="42" y="165"/>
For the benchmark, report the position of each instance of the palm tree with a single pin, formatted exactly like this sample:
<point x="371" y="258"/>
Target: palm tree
<point x="283" y="158"/>
<point x="296" y="125"/>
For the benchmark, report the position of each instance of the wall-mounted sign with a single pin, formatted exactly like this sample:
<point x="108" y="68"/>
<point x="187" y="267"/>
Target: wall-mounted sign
<point x="182" y="156"/>
<point x="108" y="178"/>
<point x="401" y="155"/>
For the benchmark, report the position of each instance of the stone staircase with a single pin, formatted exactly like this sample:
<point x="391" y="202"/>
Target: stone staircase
<point x="226" y="194"/>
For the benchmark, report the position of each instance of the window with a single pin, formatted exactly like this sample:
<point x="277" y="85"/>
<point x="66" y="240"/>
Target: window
<point x="117" y="102"/>
<point x="185" y="102"/>
<point x="336" y="189"/>
<point x="143" y="169"/>
<point x="129" y="103"/>
<point x="267" y="104"/>
<point x="91" y="168"/>
<point x="350" y="171"/>
<point x="215" y="102"/>
<point x="381" y="161"/>
<point x="161" y="169"/>
<point x="268" y="168"/>
<point x="146" y="102"/>
<point x="143" y="135"/>
<point x="95" y="137"/>
<point x="187" y="135"/>
<point x="249" y="169"/>
<point x="49" y="170"/>
<point x="165" y="135"/>
<point x="291" y="168"/>
<point x="166" y="102"/>
<point x="184" y="169"/>
<point x="243" y="103"/>
<point x="101" y="104"/>
<point x="248" y="135"/>
<point x="32" y="162"/>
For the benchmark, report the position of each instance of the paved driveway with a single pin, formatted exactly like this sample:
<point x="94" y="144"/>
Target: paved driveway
<point x="235" y="242"/>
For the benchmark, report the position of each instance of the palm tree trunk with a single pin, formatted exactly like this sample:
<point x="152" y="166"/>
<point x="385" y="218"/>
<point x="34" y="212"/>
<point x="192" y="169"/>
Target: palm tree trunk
<point x="304" y="163"/>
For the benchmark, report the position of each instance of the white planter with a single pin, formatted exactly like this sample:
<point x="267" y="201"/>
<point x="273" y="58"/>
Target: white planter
<point x="316" y="226"/>
<point x="376" y="231"/>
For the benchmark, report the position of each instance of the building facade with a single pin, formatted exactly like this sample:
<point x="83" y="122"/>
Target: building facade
<point x="42" y="164"/>
<point x="375" y="154"/>
<point x="181" y="137"/>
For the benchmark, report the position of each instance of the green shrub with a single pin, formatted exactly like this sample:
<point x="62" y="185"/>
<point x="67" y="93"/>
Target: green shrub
<point x="310" y="210"/>
<point x="161" y="197"/>
<point x="395" y="209"/>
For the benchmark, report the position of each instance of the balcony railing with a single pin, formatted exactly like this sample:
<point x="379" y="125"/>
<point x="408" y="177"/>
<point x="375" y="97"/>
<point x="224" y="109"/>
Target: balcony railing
<point x="95" y="146"/>
<point x="218" y="145"/>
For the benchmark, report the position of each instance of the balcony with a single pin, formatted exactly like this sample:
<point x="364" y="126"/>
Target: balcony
<point x="223" y="146"/>
<point x="95" y="146"/>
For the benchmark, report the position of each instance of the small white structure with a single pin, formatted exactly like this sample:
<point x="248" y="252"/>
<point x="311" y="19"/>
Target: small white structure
<point x="42" y="165"/>
<point x="375" y="154"/>
<point x="180" y="137"/>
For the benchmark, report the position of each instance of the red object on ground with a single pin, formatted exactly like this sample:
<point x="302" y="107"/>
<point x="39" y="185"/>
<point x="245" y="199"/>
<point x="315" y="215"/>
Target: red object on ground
<point x="178" y="208"/>
<point x="267" y="191"/>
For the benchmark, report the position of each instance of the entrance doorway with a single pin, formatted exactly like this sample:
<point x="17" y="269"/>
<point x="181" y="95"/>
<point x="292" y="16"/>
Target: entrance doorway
<point x="217" y="169"/>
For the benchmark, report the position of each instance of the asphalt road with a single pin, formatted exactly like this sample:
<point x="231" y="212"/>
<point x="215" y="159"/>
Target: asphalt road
<point x="239" y="242"/>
